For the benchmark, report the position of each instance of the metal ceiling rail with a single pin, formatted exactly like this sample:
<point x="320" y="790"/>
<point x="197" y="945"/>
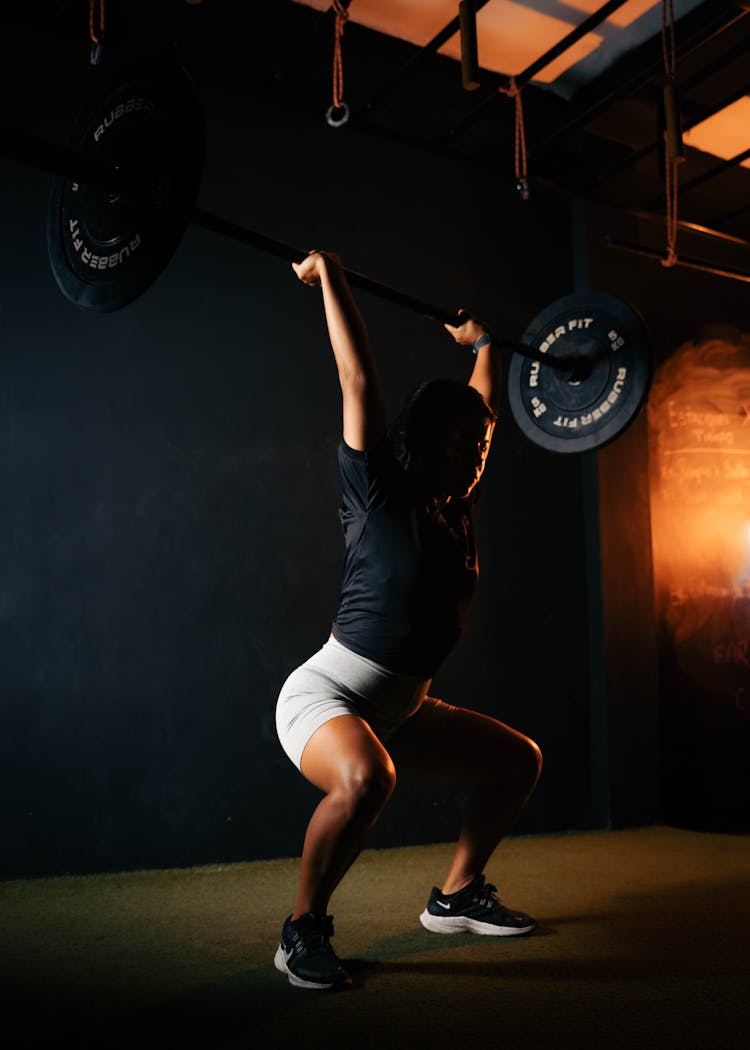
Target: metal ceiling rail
<point x="718" y="65"/>
<point x="688" y="263"/>
<point x="494" y="167"/>
<point x="712" y="173"/>
<point x="691" y="227"/>
<point x="411" y="64"/>
<point x="734" y="214"/>
<point x="541" y="63"/>
<point x="704" y="114"/>
<point x="692" y="33"/>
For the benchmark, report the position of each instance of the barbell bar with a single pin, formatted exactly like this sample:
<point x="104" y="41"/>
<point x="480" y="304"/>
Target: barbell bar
<point x="119" y="179"/>
<point x="576" y="367"/>
<point x="130" y="180"/>
<point x="125" y="190"/>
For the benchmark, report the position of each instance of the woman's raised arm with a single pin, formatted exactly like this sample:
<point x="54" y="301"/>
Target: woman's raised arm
<point x="486" y="374"/>
<point x="364" y="415"/>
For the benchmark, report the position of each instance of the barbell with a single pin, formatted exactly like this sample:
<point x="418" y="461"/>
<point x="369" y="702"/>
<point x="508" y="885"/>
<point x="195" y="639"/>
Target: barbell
<point x="125" y="189"/>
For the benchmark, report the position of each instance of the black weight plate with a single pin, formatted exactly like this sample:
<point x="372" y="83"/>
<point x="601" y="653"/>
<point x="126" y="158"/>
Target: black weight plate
<point x="577" y="410"/>
<point x="106" y="248"/>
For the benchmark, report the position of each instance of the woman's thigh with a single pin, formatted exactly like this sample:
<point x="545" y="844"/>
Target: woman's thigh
<point x="440" y="740"/>
<point x="345" y="753"/>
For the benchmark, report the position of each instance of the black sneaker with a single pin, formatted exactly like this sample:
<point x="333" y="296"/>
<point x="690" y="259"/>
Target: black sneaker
<point x="474" y="909"/>
<point x="306" y="956"/>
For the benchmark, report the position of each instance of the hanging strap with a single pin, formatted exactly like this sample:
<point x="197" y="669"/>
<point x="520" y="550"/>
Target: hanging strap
<point x="96" y="30"/>
<point x="337" y="104"/>
<point x="672" y="196"/>
<point x="93" y="30"/>
<point x="671" y="162"/>
<point x="522" y="175"/>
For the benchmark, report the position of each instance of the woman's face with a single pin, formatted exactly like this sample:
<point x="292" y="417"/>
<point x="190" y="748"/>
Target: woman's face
<point x="455" y="462"/>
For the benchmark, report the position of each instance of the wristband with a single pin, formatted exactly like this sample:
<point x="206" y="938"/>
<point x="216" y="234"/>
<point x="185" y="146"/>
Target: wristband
<point x="483" y="340"/>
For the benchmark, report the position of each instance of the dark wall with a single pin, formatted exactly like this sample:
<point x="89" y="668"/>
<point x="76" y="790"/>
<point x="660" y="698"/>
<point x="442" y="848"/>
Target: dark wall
<point x="169" y="536"/>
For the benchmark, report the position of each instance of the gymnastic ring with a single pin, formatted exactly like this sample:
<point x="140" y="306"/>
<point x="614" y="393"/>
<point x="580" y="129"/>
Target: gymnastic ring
<point x="337" y="122"/>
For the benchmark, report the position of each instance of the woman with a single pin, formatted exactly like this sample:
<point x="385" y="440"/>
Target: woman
<point x="359" y="709"/>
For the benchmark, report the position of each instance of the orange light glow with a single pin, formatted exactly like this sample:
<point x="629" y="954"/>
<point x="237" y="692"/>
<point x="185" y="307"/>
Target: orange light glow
<point x="699" y="438"/>
<point x="625" y="16"/>
<point x="417" y="21"/>
<point x="725" y="134"/>
<point x="699" y="415"/>
<point x="743" y="576"/>
<point x="510" y="36"/>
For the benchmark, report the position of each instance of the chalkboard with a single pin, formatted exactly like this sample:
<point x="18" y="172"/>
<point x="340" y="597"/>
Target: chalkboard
<point x="699" y="434"/>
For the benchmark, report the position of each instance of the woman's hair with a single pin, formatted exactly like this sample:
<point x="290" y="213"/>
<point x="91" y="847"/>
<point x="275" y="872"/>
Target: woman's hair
<point x="429" y="411"/>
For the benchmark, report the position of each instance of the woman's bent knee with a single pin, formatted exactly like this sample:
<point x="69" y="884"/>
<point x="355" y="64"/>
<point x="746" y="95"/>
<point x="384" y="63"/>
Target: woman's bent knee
<point x="535" y="762"/>
<point x="346" y="760"/>
<point x="361" y="794"/>
<point x="367" y="786"/>
<point x="525" y="765"/>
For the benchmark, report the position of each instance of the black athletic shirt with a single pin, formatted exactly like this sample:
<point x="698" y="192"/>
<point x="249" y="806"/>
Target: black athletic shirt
<point x="409" y="573"/>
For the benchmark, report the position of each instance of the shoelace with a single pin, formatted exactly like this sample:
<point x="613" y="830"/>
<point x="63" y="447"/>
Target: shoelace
<point x="315" y="936"/>
<point x="489" y="898"/>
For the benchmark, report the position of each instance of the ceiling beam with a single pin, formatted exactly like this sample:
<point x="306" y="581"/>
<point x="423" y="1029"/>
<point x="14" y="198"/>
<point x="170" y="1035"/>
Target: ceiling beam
<point x="639" y="67"/>
<point x="699" y="180"/>
<point x="698" y="118"/>
<point x="415" y="61"/>
<point x="688" y="227"/>
<point x="734" y="214"/>
<point x="687" y="262"/>
<point x="538" y="65"/>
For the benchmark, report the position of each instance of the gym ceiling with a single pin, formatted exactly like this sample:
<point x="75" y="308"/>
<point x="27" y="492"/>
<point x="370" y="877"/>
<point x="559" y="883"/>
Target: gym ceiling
<point x="593" y="115"/>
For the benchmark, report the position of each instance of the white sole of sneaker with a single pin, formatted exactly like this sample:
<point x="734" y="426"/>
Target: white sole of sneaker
<point x="462" y="924"/>
<point x="279" y="961"/>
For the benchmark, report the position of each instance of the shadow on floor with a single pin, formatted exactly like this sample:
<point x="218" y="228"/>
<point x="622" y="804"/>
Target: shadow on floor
<point x="679" y="937"/>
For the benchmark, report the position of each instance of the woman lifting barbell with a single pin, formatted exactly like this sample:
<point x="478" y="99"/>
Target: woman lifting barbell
<point x="359" y="710"/>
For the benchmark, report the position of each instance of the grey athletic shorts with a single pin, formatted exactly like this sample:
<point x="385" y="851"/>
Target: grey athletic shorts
<point x="336" y="681"/>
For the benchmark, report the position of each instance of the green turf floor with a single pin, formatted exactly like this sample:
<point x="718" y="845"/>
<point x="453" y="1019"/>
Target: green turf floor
<point x="643" y="941"/>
